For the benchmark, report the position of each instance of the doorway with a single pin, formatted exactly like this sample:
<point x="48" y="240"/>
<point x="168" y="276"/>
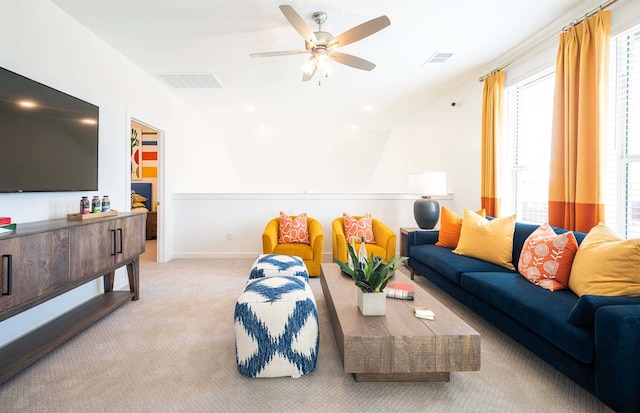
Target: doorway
<point x="146" y="183"/>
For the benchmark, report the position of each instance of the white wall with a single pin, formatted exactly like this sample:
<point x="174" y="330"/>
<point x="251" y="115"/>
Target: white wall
<point x="43" y="43"/>
<point x="440" y="137"/>
<point x="204" y="221"/>
<point x="289" y="159"/>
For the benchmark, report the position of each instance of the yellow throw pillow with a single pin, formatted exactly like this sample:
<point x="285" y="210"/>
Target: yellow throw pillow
<point x="450" y="226"/>
<point x="605" y="264"/>
<point x="486" y="240"/>
<point x="139" y="198"/>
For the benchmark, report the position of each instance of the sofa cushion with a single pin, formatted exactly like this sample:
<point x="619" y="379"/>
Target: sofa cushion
<point x="579" y="235"/>
<point x="450" y="265"/>
<point x="376" y="250"/>
<point x="584" y="312"/>
<point x="303" y="251"/>
<point x="521" y="232"/>
<point x="605" y="264"/>
<point x="489" y="240"/>
<point x="541" y="310"/>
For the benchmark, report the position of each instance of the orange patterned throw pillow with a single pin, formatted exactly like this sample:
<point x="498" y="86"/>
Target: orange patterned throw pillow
<point x="546" y="258"/>
<point x="358" y="228"/>
<point x="293" y="231"/>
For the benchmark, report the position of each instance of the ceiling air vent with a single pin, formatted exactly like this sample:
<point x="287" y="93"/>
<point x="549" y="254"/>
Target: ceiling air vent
<point x="191" y="80"/>
<point x="438" y="58"/>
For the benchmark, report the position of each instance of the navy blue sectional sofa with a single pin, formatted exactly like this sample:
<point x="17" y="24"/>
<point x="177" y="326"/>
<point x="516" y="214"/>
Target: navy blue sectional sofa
<point x="593" y="340"/>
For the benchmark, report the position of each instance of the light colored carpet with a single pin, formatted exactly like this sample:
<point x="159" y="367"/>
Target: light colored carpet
<point x="174" y="351"/>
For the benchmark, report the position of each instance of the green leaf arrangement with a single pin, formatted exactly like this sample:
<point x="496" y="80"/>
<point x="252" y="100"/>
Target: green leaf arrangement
<point x="370" y="276"/>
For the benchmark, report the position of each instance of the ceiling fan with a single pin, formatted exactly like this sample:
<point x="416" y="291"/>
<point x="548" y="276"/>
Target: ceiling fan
<point x="322" y="45"/>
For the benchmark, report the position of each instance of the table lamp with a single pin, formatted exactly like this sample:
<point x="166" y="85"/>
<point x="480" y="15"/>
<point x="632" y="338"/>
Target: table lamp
<point x="426" y="210"/>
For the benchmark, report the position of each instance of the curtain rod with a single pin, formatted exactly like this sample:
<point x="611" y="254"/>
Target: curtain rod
<point x="548" y="39"/>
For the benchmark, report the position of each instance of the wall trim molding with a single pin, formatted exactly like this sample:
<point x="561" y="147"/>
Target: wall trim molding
<point x="300" y="196"/>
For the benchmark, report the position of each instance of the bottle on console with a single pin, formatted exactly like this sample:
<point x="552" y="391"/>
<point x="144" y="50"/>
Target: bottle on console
<point x="95" y="204"/>
<point x="106" y="203"/>
<point x="85" y="205"/>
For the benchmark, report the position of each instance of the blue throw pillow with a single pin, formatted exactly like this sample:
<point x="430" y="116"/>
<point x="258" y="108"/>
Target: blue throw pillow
<point x="584" y="312"/>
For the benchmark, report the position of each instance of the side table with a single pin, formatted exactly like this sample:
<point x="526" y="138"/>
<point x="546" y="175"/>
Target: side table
<point x="404" y="232"/>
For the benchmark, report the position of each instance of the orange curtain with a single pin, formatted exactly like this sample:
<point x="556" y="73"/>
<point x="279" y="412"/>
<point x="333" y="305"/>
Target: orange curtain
<point x="578" y="118"/>
<point x="492" y="98"/>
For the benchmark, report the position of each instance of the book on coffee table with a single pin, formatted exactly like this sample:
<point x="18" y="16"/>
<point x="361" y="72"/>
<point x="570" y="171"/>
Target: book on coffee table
<point x="399" y="290"/>
<point x="424" y="312"/>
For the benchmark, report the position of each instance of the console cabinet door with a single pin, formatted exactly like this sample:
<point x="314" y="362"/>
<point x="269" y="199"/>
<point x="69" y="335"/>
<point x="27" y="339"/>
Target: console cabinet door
<point x="99" y="246"/>
<point x="93" y="249"/>
<point x="39" y="266"/>
<point x="130" y="236"/>
<point x="10" y="280"/>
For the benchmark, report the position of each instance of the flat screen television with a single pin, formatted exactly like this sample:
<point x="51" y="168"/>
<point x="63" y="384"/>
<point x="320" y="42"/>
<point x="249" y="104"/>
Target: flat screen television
<point x="48" y="139"/>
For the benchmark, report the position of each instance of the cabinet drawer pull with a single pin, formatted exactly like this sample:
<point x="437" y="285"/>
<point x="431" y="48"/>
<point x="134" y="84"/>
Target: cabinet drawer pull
<point x="9" y="274"/>
<point x="120" y="232"/>
<point x="113" y="233"/>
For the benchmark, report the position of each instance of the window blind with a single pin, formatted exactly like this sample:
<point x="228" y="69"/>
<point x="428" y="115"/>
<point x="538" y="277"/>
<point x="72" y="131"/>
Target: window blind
<point x="622" y="146"/>
<point x="528" y="136"/>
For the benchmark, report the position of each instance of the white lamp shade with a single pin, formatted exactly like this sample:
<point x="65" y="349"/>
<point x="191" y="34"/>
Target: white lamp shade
<point x="428" y="183"/>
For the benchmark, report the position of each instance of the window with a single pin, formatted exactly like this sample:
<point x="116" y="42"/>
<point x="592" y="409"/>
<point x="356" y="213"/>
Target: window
<point x="621" y="181"/>
<point x="525" y="178"/>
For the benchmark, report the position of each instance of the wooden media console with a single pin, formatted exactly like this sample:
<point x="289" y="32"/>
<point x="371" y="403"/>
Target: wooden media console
<point x="43" y="260"/>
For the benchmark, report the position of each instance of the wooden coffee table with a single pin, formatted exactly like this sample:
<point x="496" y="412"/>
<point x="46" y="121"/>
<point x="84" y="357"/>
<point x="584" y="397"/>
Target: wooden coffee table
<point x="397" y="346"/>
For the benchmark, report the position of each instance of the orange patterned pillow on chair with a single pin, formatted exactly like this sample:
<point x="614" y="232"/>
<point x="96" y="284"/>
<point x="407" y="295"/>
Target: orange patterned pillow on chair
<point x="293" y="231"/>
<point x="546" y="258"/>
<point x="358" y="228"/>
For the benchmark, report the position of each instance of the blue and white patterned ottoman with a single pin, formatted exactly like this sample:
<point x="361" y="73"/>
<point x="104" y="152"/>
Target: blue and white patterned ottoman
<point x="276" y="328"/>
<point x="272" y="265"/>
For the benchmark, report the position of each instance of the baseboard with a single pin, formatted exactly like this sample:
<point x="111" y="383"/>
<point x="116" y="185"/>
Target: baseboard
<point x="326" y="257"/>
<point x="200" y="255"/>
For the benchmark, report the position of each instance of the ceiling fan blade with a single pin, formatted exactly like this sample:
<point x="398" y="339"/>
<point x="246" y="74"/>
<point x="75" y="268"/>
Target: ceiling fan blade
<point x="308" y="76"/>
<point x="271" y="54"/>
<point x="353" y="61"/>
<point x="360" y="32"/>
<point x="299" y="24"/>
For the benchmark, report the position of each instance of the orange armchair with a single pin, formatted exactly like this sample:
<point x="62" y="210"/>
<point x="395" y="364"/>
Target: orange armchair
<point x="385" y="246"/>
<point x="310" y="254"/>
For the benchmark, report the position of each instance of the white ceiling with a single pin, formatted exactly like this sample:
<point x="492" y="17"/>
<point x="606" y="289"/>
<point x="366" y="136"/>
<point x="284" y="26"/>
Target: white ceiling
<point x="217" y="36"/>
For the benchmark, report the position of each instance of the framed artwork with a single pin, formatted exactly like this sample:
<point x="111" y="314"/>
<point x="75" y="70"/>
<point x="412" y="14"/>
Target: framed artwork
<point x="149" y="155"/>
<point x="136" y="154"/>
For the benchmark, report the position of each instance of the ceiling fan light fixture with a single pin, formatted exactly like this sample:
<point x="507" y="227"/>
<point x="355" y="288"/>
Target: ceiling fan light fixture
<point x="321" y="45"/>
<point x="309" y="66"/>
<point x="322" y="63"/>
